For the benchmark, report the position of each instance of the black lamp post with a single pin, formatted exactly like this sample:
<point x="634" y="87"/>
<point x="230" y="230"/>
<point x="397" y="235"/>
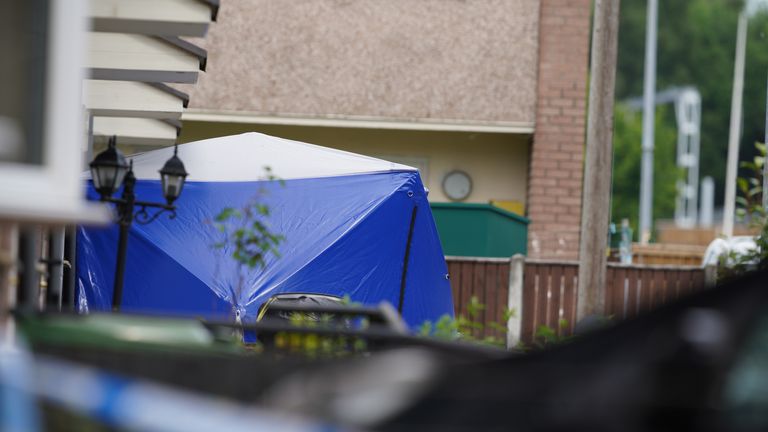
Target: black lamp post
<point x="109" y="170"/>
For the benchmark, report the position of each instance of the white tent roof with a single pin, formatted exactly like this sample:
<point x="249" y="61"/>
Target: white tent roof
<point x="243" y="158"/>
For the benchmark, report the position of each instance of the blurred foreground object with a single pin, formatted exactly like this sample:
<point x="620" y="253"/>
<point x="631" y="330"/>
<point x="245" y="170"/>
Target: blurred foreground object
<point x="41" y="116"/>
<point x="690" y="365"/>
<point x="68" y="396"/>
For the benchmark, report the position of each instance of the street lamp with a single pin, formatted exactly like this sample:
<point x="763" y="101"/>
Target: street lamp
<point x="108" y="171"/>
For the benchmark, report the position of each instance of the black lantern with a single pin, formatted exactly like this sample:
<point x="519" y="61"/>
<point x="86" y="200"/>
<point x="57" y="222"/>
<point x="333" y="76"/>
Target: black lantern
<point x="108" y="170"/>
<point x="173" y="175"/>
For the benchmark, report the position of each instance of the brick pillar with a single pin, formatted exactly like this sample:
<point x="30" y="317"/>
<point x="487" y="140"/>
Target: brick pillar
<point x="554" y="184"/>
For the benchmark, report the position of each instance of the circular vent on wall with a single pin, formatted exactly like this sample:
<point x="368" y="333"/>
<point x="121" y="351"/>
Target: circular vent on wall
<point x="457" y="185"/>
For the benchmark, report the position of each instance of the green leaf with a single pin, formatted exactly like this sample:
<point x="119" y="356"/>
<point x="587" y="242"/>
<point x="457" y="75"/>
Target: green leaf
<point x="742" y="184"/>
<point x="748" y="165"/>
<point x="225" y="214"/>
<point x="546" y="333"/>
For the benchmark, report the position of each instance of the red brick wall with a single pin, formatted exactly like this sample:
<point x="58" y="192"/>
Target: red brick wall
<point x="554" y="186"/>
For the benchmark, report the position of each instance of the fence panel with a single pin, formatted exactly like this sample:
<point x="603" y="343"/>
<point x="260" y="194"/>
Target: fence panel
<point x="454" y="270"/>
<point x="486" y="279"/>
<point x="553" y="299"/>
<point x="616" y="292"/>
<point x="570" y="284"/>
<point x="549" y="297"/>
<point x="542" y="293"/>
<point x="502" y="296"/>
<point x="549" y="291"/>
<point x="528" y="311"/>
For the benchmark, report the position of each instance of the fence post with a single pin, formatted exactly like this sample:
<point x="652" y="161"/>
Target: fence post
<point x="710" y="275"/>
<point x="515" y="299"/>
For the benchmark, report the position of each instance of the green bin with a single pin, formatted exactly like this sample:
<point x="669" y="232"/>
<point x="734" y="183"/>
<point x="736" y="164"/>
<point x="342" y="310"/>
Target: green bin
<point x="480" y="230"/>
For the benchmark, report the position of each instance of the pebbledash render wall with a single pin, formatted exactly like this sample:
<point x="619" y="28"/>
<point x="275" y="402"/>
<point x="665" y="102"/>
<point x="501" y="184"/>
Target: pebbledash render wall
<point x="556" y="165"/>
<point x="443" y="60"/>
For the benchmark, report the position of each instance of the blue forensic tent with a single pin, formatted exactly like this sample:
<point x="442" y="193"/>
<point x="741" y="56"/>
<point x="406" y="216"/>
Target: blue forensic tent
<point x="346" y="220"/>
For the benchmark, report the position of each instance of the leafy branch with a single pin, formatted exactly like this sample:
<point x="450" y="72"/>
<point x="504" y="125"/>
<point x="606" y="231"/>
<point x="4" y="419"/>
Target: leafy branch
<point x="751" y="208"/>
<point x="246" y="232"/>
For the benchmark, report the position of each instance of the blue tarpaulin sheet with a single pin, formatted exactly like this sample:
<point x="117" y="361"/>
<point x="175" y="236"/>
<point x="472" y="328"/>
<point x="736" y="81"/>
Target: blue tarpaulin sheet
<point x="345" y="218"/>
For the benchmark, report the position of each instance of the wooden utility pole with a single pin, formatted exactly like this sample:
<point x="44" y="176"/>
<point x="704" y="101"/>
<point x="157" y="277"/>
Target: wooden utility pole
<point x="599" y="153"/>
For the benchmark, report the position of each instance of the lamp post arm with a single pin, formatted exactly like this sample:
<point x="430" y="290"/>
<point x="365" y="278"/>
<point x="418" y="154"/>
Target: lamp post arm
<point x="143" y="217"/>
<point x="155" y="205"/>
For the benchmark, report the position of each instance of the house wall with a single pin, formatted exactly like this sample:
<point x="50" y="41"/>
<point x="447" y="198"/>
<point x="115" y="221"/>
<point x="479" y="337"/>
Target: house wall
<point x="501" y="62"/>
<point x="496" y="162"/>
<point x="403" y="59"/>
<point x="555" y="182"/>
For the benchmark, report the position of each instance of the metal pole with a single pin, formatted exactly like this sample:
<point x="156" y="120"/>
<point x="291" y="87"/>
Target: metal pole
<point x="707" y="202"/>
<point x="126" y="218"/>
<point x="29" y="280"/>
<point x="649" y="116"/>
<point x="405" y="260"/>
<point x="89" y="150"/>
<point x="729" y="207"/>
<point x="70" y="246"/>
<point x="56" y="267"/>
<point x="593" y="243"/>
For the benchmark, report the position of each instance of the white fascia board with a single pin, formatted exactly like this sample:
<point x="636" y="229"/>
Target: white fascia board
<point x="151" y="17"/>
<point x="127" y="57"/>
<point x="363" y="122"/>
<point x="135" y="131"/>
<point x="130" y="99"/>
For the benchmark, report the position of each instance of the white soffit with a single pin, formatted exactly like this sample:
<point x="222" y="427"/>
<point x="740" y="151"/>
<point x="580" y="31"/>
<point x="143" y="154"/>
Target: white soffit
<point x="136" y="131"/>
<point x="132" y="99"/>
<point x="128" y="57"/>
<point x="152" y="17"/>
<point x="363" y="122"/>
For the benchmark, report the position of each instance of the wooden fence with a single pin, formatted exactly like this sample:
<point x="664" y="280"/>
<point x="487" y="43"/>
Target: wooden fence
<point x="487" y="279"/>
<point x="544" y="293"/>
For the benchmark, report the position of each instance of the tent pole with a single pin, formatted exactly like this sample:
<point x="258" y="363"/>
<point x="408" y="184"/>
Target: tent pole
<point x="405" y="261"/>
<point x="70" y="256"/>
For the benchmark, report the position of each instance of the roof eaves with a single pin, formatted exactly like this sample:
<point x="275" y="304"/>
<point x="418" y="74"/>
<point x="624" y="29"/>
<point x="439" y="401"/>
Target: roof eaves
<point x="214" y="4"/>
<point x="172" y="91"/>
<point x="200" y="53"/>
